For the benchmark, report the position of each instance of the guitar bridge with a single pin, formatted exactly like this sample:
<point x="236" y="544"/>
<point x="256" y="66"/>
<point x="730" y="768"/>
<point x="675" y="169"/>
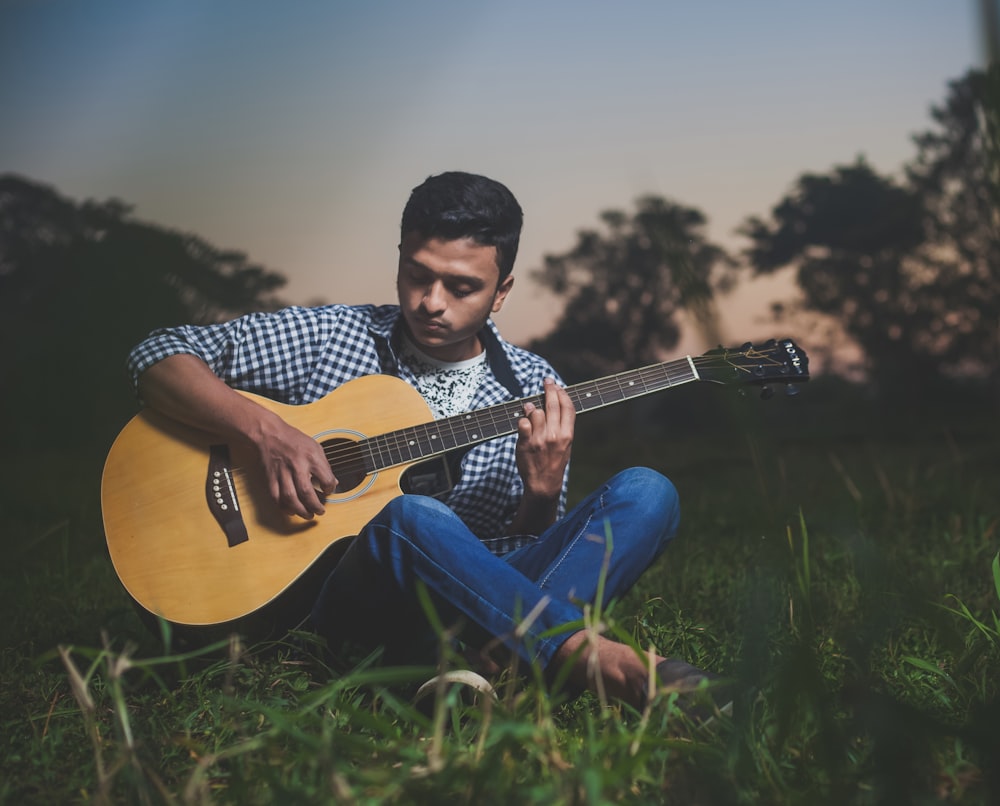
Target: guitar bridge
<point x="220" y="492"/>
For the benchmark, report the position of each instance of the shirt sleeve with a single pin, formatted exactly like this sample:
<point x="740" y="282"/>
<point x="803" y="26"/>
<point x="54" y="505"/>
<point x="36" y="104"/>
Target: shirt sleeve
<point x="272" y="354"/>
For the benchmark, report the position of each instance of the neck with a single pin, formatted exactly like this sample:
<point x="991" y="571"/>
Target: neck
<point x="448" y="353"/>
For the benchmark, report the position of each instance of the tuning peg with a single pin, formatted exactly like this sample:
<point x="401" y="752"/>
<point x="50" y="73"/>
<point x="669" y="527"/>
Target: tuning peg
<point x="791" y="389"/>
<point x="766" y="393"/>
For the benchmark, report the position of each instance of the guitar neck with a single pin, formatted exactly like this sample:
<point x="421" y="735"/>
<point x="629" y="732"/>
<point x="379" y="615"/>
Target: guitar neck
<point x="463" y="430"/>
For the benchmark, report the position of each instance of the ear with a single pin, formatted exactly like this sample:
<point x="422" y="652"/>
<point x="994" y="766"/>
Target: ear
<point x="502" y="291"/>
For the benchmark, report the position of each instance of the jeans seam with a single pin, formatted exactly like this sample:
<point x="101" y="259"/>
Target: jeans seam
<point x="583" y="529"/>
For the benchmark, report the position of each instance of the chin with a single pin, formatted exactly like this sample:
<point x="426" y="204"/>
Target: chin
<point x="431" y="341"/>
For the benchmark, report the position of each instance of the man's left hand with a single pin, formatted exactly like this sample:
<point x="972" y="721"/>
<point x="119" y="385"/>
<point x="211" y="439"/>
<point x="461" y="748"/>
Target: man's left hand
<point x="544" y="440"/>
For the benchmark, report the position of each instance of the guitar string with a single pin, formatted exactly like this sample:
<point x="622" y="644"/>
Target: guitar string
<point x="348" y="456"/>
<point x="398" y="441"/>
<point x="458" y="425"/>
<point x="456" y="429"/>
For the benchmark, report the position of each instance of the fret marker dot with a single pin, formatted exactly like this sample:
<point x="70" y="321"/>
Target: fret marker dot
<point x="631" y="383"/>
<point x="589" y="394"/>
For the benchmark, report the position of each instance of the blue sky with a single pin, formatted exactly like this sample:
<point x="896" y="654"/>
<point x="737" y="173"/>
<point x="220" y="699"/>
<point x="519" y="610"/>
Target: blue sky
<point x="294" y="130"/>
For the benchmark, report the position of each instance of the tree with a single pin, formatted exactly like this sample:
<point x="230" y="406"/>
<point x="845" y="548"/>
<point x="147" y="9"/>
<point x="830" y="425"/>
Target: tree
<point x="957" y="174"/>
<point x="79" y="285"/>
<point x="850" y="236"/>
<point x="911" y="269"/>
<point x="626" y="286"/>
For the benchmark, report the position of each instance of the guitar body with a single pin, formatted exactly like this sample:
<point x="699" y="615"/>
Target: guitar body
<point x="170" y="551"/>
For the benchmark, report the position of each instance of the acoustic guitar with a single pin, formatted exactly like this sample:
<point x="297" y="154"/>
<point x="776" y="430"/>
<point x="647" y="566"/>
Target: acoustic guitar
<point x="196" y="539"/>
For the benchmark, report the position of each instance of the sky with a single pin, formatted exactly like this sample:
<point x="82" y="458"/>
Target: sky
<point x="294" y="131"/>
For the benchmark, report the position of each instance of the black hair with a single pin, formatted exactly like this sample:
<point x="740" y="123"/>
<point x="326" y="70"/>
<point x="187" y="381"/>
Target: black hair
<point x="455" y="205"/>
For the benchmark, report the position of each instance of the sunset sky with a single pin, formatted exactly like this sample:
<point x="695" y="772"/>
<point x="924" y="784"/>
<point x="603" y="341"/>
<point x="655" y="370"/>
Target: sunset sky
<point x="294" y="130"/>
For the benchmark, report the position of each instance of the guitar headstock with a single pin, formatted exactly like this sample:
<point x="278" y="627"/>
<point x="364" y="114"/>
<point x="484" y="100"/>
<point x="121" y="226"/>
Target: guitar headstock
<point x="774" y="361"/>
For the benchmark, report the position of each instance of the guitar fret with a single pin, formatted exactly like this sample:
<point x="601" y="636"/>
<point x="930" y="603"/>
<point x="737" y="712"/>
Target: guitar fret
<point x="499" y="424"/>
<point x="409" y="440"/>
<point x="367" y="460"/>
<point x="615" y="391"/>
<point x="429" y="440"/>
<point x="585" y="398"/>
<point x="488" y="428"/>
<point x="449" y="439"/>
<point x="379" y="444"/>
<point x="384" y="455"/>
<point x="395" y="448"/>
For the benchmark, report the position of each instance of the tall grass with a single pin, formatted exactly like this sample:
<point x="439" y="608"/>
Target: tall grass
<point x="852" y="586"/>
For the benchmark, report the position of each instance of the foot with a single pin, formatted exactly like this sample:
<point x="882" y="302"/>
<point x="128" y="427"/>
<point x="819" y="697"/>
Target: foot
<point x="702" y="695"/>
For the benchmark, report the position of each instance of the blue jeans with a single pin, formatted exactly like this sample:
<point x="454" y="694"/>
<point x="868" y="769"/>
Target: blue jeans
<point x="370" y="597"/>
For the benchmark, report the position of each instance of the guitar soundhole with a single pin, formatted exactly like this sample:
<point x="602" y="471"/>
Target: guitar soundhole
<point x="347" y="463"/>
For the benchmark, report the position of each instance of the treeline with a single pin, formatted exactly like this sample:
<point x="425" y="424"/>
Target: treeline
<point x="79" y="285"/>
<point x="909" y="268"/>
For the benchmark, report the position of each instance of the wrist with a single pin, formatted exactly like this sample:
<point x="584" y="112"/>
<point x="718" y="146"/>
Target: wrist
<point x="535" y="514"/>
<point x="252" y="423"/>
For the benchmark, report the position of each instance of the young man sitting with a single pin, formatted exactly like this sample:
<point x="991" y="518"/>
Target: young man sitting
<point x="499" y="545"/>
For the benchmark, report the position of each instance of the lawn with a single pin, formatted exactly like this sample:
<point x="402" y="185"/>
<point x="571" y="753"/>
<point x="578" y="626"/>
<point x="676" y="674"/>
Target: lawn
<point x="836" y="557"/>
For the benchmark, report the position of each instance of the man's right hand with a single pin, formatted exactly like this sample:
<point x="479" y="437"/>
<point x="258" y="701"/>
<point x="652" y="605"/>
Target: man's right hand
<point x="298" y="474"/>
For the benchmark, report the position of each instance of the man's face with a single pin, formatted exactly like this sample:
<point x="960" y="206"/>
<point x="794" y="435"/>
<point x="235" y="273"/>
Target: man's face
<point x="447" y="291"/>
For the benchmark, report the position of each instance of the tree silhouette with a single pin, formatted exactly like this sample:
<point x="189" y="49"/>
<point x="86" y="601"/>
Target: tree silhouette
<point x="910" y="270"/>
<point x="850" y="236"/>
<point x="957" y="174"/>
<point x="79" y="285"/>
<point x="625" y="287"/>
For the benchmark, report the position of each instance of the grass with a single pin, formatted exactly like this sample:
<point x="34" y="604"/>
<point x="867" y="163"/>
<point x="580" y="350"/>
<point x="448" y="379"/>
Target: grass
<point x="851" y="579"/>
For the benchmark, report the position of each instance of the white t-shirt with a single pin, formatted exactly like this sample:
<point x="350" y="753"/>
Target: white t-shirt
<point x="447" y="386"/>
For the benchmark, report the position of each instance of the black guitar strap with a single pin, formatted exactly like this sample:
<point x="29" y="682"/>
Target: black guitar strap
<point x="504" y="373"/>
<point x="500" y="364"/>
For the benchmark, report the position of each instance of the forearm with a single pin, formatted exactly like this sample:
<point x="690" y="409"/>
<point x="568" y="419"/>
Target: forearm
<point x="184" y="388"/>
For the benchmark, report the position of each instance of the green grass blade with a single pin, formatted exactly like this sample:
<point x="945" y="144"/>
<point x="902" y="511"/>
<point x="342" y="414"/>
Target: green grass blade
<point x="996" y="573"/>
<point x="930" y="668"/>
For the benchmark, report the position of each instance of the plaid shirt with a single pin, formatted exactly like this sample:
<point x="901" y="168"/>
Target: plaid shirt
<point x="299" y="355"/>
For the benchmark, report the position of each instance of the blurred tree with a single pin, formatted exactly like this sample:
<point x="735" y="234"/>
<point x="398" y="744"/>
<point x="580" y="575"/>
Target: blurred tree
<point x="79" y="285"/>
<point x="957" y="174"/>
<point x="911" y="271"/>
<point x="625" y="288"/>
<point x="850" y="236"/>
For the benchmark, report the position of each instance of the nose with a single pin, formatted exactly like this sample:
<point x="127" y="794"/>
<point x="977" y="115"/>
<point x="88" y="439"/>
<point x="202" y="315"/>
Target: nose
<point x="434" y="298"/>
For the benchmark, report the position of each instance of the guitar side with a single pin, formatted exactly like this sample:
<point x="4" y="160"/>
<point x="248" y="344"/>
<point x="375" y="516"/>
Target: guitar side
<point x="169" y="550"/>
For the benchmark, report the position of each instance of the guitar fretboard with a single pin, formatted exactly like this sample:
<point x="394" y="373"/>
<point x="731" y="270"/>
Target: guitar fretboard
<point x="463" y="430"/>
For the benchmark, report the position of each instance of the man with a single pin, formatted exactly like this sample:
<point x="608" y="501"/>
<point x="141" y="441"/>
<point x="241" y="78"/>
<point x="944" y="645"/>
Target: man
<point x="498" y="550"/>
